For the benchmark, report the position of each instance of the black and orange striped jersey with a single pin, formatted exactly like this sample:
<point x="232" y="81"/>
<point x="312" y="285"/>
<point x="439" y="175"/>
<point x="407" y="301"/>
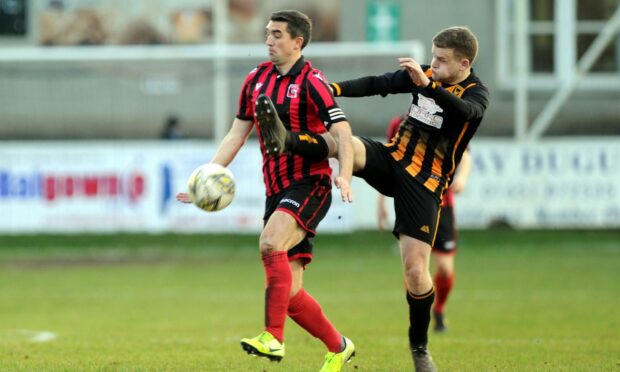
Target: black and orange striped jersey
<point x="441" y="121"/>
<point x="304" y="104"/>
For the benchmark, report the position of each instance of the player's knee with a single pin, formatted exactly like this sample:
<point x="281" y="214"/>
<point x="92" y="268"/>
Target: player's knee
<point x="266" y="246"/>
<point x="415" y="275"/>
<point x="444" y="271"/>
<point x="359" y="155"/>
<point x="295" y="288"/>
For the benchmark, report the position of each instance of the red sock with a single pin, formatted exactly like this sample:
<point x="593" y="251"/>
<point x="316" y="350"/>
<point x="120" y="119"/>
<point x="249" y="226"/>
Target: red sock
<point x="443" y="286"/>
<point x="307" y="312"/>
<point x="279" y="278"/>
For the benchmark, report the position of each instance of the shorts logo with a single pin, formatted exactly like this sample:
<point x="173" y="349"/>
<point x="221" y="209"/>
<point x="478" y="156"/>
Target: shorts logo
<point x="290" y="201"/>
<point x="292" y="91"/>
<point x="425" y="229"/>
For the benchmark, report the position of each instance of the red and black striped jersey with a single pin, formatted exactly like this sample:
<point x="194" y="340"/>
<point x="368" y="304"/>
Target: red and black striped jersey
<point x="304" y="103"/>
<point x="441" y="121"/>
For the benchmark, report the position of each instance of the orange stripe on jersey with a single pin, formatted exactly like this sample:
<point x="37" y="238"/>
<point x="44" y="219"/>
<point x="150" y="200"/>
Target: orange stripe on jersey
<point x="416" y="160"/>
<point x="436" y="227"/>
<point x="458" y="90"/>
<point x="432" y="182"/>
<point x="402" y="145"/>
<point x="456" y="146"/>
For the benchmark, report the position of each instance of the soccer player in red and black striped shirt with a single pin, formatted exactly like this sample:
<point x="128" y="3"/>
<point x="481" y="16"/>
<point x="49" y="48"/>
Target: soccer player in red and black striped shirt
<point x="448" y="102"/>
<point x="298" y="189"/>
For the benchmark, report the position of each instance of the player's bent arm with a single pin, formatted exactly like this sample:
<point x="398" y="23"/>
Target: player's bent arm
<point x="341" y="131"/>
<point x="471" y="106"/>
<point x="230" y="145"/>
<point x="462" y="173"/>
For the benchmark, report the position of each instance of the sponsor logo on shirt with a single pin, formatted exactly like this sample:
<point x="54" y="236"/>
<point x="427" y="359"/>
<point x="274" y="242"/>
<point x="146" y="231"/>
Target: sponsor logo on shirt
<point x="292" y="91"/>
<point x="425" y="110"/>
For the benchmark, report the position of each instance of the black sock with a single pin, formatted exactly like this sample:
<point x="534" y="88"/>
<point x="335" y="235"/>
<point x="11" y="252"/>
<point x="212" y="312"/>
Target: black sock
<point x="310" y="145"/>
<point x="419" y="317"/>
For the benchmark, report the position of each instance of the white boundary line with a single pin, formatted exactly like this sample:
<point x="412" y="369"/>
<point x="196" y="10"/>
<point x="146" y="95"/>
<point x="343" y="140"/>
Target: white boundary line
<point x="37" y="336"/>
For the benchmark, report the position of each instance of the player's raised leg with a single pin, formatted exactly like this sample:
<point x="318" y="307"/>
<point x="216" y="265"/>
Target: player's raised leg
<point x="278" y="139"/>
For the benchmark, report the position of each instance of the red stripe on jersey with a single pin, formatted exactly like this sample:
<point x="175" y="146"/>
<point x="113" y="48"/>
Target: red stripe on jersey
<point x="294" y="105"/>
<point x="285" y="181"/>
<point x="271" y="168"/>
<point x="326" y="95"/>
<point x="282" y="90"/>
<point x="295" y="124"/>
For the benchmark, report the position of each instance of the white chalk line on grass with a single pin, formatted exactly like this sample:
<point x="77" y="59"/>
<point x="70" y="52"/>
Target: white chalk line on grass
<point x="35" y="336"/>
<point x="43" y="336"/>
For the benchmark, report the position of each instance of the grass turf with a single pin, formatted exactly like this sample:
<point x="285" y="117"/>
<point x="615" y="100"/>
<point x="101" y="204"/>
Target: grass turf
<point x="523" y="301"/>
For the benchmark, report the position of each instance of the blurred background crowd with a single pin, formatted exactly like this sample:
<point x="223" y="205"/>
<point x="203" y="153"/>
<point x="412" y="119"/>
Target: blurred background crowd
<point x="90" y="97"/>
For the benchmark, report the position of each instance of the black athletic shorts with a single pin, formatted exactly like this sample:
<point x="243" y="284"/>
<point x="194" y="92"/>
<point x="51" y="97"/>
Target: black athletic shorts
<point x="416" y="208"/>
<point x="445" y="242"/>
<point x="307" y="201"/>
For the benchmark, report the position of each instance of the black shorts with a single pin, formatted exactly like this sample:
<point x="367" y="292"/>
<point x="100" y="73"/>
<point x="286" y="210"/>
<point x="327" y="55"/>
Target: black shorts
<point x="416" y="208"/>
<point x="445" y="242"/>
<point x="307" y="201"/>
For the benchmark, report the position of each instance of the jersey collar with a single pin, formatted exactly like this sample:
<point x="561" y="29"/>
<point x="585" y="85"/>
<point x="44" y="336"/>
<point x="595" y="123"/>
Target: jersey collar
<point x="295" y="70"/>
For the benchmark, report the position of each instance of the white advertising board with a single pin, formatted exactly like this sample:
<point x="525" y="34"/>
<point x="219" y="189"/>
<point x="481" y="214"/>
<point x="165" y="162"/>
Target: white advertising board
<point x="130" y="187"/>
<point x="127" y="186"/>
<point x="560" y="183"/>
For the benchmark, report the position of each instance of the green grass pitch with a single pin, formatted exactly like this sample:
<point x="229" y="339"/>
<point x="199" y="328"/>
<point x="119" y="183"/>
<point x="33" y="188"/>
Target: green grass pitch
<point x="523" y="301"/>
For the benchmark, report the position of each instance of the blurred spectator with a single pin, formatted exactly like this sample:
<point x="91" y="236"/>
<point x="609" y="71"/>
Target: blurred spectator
<point x="172" y="128"/>
<point x="80" y="27"/>
<point x="246" y="22"/>
<point x="192" y="25"/>
<point x="141" y="32"/>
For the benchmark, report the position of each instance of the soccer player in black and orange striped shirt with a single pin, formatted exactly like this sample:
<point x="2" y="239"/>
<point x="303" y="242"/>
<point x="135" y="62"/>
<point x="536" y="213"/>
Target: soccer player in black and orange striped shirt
<point x="448" y="102"/>
<point x="288" y="89"/>
<point x="445" y="246"/>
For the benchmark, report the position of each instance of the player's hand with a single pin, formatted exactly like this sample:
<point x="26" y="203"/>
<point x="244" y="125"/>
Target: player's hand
<point x="414" y="70"/>
<point x="345" y="189"/>
<point x="183" y="197"/>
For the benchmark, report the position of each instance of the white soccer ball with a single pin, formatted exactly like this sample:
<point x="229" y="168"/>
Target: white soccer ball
<point x="211" y="187"/>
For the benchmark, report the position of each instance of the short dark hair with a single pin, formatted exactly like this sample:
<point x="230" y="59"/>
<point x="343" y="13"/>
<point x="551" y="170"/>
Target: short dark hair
<point x="298" y="24"/>
<point x="459" y="38"/>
